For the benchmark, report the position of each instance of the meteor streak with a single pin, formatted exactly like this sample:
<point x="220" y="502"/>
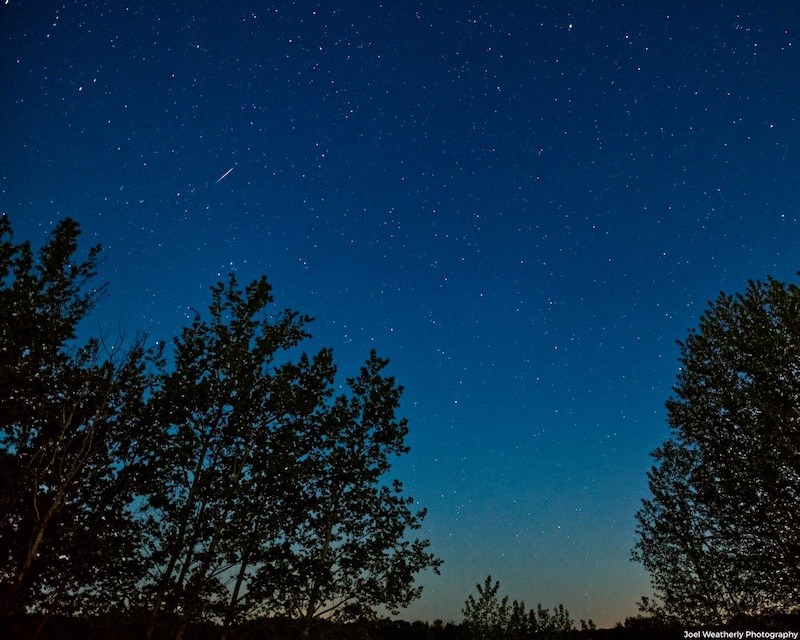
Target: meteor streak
<point x="224" y="175"/>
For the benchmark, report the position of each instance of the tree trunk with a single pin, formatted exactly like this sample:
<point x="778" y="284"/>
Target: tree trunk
<point x="308" y="618"/>
<point x="179" y="542"/>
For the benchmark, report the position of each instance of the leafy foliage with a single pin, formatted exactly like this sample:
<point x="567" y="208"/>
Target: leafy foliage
<point x="490" y="618"/>
<point x="70" y="419"/>
<point x="721" y="533"/>
<point x="349" y="552"/>
<point x="232" y="423"/>
<point x="230" y="484"/>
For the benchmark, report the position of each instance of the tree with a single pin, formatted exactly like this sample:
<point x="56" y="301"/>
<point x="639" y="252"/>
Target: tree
<point x="269" y="496"/>
<point x="486" y="617"/>
<point x="69" y="427"/>
<point x="229" y="483"/>
<point x="349" y="552"/>
<point x="720" y="535"/>
<point x="230" y="433"/>
<point x="489" y="618"/>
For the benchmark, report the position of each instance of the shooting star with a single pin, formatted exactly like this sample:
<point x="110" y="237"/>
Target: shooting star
<point x="223" y="176"/>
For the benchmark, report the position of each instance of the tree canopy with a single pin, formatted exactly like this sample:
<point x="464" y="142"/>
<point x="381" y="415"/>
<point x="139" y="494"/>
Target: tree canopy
<point x="720" y="535"/>
<point x="489" y="617"/>
<point x="231" y="483"/>
<point x="70" y="425"/>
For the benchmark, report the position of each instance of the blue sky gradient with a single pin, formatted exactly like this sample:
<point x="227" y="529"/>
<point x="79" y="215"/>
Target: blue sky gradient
<point x="523" y="205"/>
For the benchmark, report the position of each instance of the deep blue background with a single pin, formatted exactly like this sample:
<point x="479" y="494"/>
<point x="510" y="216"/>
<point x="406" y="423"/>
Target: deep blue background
<point x="523" y="205"/>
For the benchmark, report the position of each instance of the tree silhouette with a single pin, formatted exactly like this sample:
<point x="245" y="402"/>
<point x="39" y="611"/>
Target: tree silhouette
<point x="491" y="618"/>
<point x="270" y="496"/>
<point x="227" y="426"/>
<point x="349" y="553"/>
<point x="721" y="533"/>
<point x="230" y="484"/>
<point x="70" y="432"/>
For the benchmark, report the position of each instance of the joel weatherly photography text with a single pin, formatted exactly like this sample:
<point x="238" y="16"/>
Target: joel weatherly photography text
<point x="743" y="635"/>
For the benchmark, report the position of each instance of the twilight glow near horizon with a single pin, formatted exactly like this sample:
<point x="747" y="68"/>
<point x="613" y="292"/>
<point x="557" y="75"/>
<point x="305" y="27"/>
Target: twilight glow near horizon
<point x="522" y="205"/>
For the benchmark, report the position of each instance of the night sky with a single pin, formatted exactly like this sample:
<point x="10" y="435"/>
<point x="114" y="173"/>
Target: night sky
<point x="523" y="205"/>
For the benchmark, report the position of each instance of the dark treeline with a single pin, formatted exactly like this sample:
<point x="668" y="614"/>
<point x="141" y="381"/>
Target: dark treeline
<point x="287" y="629"/>
<point x="636" y="628"/>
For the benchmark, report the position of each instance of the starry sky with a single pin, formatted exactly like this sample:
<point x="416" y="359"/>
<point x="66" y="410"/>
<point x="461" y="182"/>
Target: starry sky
<point x="523" y="205"/>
